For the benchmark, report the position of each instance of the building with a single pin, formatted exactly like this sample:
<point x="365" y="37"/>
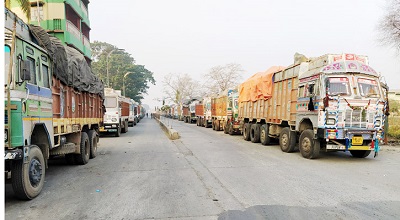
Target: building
<point x="67" y="20"/>
<point x="394" y="95"/>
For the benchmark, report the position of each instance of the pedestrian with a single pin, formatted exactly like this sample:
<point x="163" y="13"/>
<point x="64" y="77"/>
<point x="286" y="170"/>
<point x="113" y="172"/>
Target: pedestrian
<point x="147" y="115"/>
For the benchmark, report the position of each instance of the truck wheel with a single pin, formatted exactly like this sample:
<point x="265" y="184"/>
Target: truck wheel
<point x="246" y="131"/>
<point x="255" y="133"/>
<point x="83" y="157"/>
<point x="360" y="153"/>
<point x="308" y="148"/>
<point x="287" y="140"/>
<point x="118" y="132"/>
<point x="125" y="129"/>
<point x="93" y="143"/>
<point x="218" y="125"/>
<point x="28" y="178"/>
<point x="226" y="128"/>
<point x="264" y="131"/>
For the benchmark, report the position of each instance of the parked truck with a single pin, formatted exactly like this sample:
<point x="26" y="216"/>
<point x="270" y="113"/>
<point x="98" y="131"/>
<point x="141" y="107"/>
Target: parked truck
<point x="224" y="110"/>
<point x="191" y="118"/>
<point x="116" y="117"/>
<point x="199" y="113"/>
<point x="232" y="125"/>
<point x="185" y="113"/>
<point x="206" y="120"/>
<point x="132" y="113"/>
<point x="53" y="105"/>
<point x="332" y="103"/>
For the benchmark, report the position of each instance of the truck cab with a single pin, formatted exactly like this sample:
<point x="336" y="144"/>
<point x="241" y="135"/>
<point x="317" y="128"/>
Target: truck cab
<point x="342" y="104"/>
<point x="117" y="112"/>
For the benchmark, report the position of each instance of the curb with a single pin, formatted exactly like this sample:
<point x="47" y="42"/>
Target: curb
<point x="171" y="133"/>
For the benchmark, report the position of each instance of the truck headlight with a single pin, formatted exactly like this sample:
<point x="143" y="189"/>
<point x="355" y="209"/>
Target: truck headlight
<point x="330" y="121"/>
<point x="378" y="123"/>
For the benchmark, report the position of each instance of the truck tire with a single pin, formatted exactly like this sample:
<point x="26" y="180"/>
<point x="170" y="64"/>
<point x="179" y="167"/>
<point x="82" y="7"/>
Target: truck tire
<point x="28" y="178"/>
<point x="226" y="128"/>
<point x="287" y="140"/>
<point x="125" y="129"/>
<point x="360" y="153"/>
<point x="264" y="131"/>
<point x="246" y="131"/>
<point x="92" y="134"/>
<point x="255" y="133"/>
<point x="83" y="157"/>
<point x="118" y="132"/>
<point x="308" y="148"/>
<point x="230" y="130"/>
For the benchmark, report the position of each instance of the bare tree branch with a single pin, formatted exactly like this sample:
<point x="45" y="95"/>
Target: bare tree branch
<point x="180" y="88"/>
<point x="389" y="26"/>
<point x="220" y="78"/>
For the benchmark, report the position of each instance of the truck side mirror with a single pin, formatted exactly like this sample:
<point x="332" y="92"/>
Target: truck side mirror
<point x="326" y="101"/>
<point x="26" y="71"/>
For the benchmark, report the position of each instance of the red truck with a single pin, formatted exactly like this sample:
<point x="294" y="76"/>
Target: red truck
<point x="199" y="112"/>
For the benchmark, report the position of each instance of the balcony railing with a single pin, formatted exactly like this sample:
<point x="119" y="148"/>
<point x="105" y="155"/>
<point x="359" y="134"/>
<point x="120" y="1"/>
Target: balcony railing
<point x="73" y="29"/>
<point x="57" y="24"/>
<point x="84" y="9"/>
<point x="86" y="41"/>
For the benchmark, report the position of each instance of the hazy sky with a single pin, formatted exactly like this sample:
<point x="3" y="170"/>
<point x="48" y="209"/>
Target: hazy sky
<point x="187" y="36"/>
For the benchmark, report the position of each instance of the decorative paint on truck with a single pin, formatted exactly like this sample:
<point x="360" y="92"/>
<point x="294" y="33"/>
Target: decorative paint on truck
<point x="333" y="102"/>
<point x="224" y="111"/>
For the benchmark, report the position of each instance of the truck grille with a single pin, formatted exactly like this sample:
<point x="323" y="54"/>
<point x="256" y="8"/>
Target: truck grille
<point x="356" y="118"/>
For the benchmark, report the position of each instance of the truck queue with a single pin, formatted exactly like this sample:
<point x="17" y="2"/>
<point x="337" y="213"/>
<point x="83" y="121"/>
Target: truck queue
<point x="335" y="102"/>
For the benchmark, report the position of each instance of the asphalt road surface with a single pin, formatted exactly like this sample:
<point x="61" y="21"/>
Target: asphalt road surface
<point x="210" y="175"/>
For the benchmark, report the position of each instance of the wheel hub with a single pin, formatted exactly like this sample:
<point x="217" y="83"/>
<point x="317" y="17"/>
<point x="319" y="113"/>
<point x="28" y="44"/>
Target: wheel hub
<point x="306" y="145"/>
<point x="284" y="139"/>
<point x="35" y="172"/>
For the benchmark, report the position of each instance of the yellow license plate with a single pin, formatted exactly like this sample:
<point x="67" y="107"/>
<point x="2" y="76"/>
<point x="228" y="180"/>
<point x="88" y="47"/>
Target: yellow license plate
<point x="101" y="129"/>
<point x="357" y="141"/>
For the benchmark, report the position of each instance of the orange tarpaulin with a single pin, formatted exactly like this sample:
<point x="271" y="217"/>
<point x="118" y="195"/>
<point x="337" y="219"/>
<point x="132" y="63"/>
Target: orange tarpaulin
<point x="258" y="86"/>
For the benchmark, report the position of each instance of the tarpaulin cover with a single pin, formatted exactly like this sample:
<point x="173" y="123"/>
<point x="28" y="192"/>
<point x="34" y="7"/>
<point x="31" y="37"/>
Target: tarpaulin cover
<point x="70" y="65"/>
<point x="258" y="86"/>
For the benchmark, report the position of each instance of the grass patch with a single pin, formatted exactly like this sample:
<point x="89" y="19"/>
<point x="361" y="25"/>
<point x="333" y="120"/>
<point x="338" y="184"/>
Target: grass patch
<point x="394" y="127"/>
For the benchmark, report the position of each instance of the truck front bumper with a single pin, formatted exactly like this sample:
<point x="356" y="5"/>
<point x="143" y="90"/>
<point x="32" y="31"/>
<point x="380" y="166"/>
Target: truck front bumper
<point x="109" y="128"/>
<point x="13" y="154"/>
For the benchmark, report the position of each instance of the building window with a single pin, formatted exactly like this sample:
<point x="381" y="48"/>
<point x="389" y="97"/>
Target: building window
<point x="34" y="13"/>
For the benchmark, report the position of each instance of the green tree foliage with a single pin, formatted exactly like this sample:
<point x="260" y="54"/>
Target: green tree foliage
<point x="25" y="6"/>
<point x="119" y="64"/>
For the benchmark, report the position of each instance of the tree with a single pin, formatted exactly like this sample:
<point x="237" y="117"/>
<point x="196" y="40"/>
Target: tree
<point x="180" y="88"/>
<point x="120" y="63"/>
<point x="221" y="78"/>
<point x="389" y="26"/>
<point x="25" y="6"/>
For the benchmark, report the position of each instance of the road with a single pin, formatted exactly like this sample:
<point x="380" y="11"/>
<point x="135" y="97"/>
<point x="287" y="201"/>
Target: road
<point x="210" y="175"/>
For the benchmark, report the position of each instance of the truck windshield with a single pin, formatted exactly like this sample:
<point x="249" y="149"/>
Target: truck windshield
<point x="7" y="51"/>
<point x="110" y="102"/>
<point x="368" y="88"/>
<point x="338" y="86"/>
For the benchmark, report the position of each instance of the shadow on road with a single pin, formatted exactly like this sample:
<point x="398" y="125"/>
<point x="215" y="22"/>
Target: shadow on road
<point x="354" y="210"/>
